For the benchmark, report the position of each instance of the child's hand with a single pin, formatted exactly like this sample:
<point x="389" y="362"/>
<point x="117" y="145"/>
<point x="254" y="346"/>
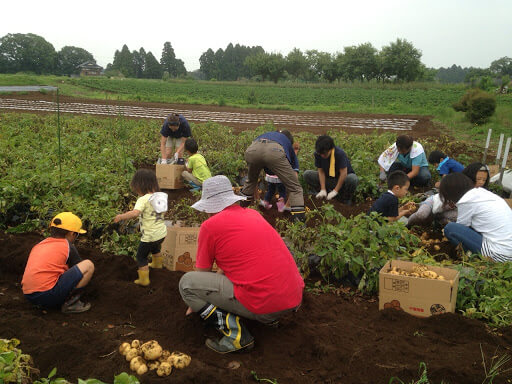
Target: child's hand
<point x="117" y="219"/>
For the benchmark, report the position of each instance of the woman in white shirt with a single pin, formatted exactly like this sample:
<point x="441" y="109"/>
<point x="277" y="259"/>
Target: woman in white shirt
<point x="484" y="221"/>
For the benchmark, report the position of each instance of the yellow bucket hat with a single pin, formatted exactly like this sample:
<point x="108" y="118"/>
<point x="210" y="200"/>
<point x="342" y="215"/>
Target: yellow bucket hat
<point x="68" y="221"/>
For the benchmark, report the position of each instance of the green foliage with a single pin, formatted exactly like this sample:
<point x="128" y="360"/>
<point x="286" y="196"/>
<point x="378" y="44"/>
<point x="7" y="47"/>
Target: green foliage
<point x="122" y="378"/>
<point x="69" y="58"/>
<point x="478" y="105"/>
<point x="423" y="379"/>
<point x="15" y="366"/>
<point x="26" y="53"/>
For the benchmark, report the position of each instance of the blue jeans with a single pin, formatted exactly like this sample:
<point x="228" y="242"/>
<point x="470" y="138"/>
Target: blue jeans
<point x="470" y="239"/>
<point x="271" y="191"/>
<point x="422" y="179"/>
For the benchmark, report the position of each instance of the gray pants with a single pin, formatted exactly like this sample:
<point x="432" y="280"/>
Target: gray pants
<point x="347" y="189"/>
<point x="188" y="176"/>
<point x="270" y="154"/>
<point x="200" y="288"/>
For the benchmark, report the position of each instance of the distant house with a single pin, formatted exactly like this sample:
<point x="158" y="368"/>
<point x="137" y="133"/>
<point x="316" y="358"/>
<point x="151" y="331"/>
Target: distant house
<point x="90" y="68"/>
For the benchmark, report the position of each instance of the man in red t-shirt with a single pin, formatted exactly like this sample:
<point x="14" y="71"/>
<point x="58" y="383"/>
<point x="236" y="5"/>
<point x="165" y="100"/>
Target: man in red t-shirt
<point x="258" y="277"/>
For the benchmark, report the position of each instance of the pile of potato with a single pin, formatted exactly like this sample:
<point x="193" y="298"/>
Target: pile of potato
<point x="151" y="356"/>
<point x="426" y="241"/>
<point x="417" y="271"/>
<point x="411" y="206"/>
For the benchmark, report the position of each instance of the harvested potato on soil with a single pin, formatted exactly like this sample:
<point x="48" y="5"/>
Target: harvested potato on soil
<point x="437" y="247"/>
<point x="164" y="369"/>
<point x="180" y="360"/>
<point x="135" y="343"/>
<point x="131" y="353"/>
<point x="165" y="355"/>
<point x="151" y="350"/>
<point x="123" y="348"/>
<point x="152" y="365"/>
<point x="136" y="363"/>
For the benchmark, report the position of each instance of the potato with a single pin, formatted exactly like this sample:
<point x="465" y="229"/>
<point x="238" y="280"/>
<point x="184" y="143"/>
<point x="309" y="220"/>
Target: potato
<point x="123" y="348"/>
<point x="180" y="360"/>
<point x="135" y="343"/>
<point x="440" y="277"/>
<point x="437" y="247"/>
<point x="136" y="362"/>
<point x="151" y="350"/>
<point x="429" y="274"/>
<point x="164" y="369"/>
<point x="152" y="365"/>
<point x="165" y="356"/>
<point x="131" y="353"/>
<point x="143" y="368"/>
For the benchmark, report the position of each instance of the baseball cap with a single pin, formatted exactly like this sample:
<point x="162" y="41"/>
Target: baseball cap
<point x="68" y="221"/>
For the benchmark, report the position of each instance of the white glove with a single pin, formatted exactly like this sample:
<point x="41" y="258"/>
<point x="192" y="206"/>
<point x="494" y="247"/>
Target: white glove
<point x="321" y="194"/>
<point x="382" y="176"/>
<point x="162" y="161"/>
<point x="176" y="157"/>
<point x="332" y="195"/>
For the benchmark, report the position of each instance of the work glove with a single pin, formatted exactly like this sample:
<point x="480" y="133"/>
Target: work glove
<point x="162" y="161"/>
<point x="176" y="156"/>
<point x="382" y="176"/>
<point x="321" y="194"/>
<point x="332" y="195"/>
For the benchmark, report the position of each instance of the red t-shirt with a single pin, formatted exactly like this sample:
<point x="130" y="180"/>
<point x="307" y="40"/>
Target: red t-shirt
<point x="253" y="257"/>
<point x="46" y="262"/>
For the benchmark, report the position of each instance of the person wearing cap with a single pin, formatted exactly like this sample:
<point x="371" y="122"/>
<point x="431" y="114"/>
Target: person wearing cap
<point x="173" y="134"/>
<point x="257" y="277"/>
<point x="55" y="275"/>
<point x="273" y="151"/>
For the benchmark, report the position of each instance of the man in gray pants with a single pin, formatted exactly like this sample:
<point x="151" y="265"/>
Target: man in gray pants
<point x="274" y="151"/>
<point x="257" y="277"/>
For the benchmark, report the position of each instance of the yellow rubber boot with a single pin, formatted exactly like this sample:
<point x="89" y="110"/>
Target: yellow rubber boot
<point x="157" y="262"/>
<point x="143" y="279"/>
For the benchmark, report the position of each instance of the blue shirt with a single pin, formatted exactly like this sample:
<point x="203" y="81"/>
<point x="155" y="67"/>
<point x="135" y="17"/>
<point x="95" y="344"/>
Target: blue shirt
<point x="386" y="205"/>
<point x="406" y="160"/>
<point x="182" y="131"/>
<point x="282" y="140"/>
<point x="448" y="166"/>
<point x="340" y="161"/>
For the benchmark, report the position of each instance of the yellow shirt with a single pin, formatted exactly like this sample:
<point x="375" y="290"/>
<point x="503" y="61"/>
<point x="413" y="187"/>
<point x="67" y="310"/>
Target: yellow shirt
<point x="200" y="169"/>
<point x="152" y="225"/>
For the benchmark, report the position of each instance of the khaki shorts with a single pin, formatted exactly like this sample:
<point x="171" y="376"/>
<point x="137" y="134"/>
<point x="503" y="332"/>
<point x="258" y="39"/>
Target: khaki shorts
<point x="173" y="142"/>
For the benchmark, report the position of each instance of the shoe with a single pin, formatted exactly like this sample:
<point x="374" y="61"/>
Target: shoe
<point x="236" y="336"/>
<point x="76" y="307"/>
<point x="265" y="204"/>
<point x="143" y="279"/>
<point x="280" y="205"/>
<point x="157" y="262"/>
<point x="298" y="214"/>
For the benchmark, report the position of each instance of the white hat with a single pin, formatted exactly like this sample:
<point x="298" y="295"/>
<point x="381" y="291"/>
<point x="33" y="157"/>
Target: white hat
<point x="217" y="195"/>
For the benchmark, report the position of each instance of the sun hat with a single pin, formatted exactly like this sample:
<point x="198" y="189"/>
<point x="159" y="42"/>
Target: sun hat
<point x="67" y="221"/>
<point x="217" y="195"/>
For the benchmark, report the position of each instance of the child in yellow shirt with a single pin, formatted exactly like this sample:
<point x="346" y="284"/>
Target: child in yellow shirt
<point x="197" y="170"/>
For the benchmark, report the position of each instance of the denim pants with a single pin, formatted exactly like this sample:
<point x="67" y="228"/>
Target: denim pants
<point x="422" y="179"/>
<point x="347" y="189"/>
<point x="470" y="239"/>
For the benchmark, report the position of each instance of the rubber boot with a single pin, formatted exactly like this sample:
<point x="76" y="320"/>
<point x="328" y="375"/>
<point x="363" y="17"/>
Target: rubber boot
<point x="157" y="262"/>
<point x="236" y="336"/>
<point x="143" y="279"/>
<point x="298" y="214"/>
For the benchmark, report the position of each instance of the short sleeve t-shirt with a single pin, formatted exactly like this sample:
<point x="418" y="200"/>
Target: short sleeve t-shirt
<point x="46" y="263"/>
<point x="448" y="166"/>
<point x="420" y="160"/>
<point x="253" y="257"/>
<point x="340" y="161"/>
<point x="152" y="225"/>
<point x="386" y="205"/>
<point x="182" y="131"/>
<point x="200" y="169"/>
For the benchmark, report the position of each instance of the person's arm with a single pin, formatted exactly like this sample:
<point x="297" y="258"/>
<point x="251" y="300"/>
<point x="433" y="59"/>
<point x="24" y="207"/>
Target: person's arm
<point x="163" y="141"/>
<point x="179" y="150"/>
<point x="73" y="257"/>
<point x="127" y="215"/>
<point x="414" y="172"/>
<point x="401" y="212"/>
<point x="341" y="179"/>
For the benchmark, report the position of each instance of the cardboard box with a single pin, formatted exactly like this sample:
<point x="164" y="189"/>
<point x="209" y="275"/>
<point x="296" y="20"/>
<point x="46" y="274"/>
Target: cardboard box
<point x="509" y="202"/>
<point x="179" y="248"/>
<point x="418" y="296"/>
<point x="169" y="176"/>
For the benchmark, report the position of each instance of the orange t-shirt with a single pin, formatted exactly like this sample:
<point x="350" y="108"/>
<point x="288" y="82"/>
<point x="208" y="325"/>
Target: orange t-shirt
<point x="46" y="263"/>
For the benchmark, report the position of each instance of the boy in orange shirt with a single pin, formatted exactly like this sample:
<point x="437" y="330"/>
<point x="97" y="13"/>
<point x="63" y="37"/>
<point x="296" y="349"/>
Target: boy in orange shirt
<point x="55" y="273"/>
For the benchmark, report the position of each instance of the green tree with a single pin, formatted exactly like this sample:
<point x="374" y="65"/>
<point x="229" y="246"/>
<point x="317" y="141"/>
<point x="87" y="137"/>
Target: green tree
<point x="296" y="64"/>
<point x="401" y="60"/>
<point x="208" y="64"/>
<point x="502" y="67"/>
<point x="276" y="65"/>
<point x="258" y="65"/>
<point x="360" y="63"/>
<point x="139" y="63"/>
<point x="453" y="74"/>
<point x="123" y="62"/>
<point x="153" y="69"/>
<point x="26" y="52"/>
<point x="169" y="63"/>
<point x="69" y="58"/>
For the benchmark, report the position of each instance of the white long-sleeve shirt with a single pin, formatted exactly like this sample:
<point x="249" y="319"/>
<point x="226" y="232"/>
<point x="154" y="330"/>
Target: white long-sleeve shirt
<point x="489" y="215"/>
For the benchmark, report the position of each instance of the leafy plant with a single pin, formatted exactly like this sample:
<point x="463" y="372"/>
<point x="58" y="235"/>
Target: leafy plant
<point x="15" y="366"/>
<point x="496" y="366"/>
<point x="263" y="380"/>
<point x="423" y="379"/>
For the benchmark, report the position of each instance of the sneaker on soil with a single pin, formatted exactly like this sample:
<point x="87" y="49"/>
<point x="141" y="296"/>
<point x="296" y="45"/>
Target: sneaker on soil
<point x="265" y="204"/>
<point x="77" y="307"/>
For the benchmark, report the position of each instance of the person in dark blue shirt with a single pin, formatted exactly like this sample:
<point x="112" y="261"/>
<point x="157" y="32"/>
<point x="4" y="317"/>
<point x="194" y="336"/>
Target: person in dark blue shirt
<point x="444" y="164"/>
<point x="387" y="203"/>
<point x="274" y="152"/>
<point x="334" y="176"/>
<point x="174" y="132"/>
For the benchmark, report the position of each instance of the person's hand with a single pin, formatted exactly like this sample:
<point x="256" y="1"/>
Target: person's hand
<point x="117" y="219"/>
<point x="189" y="311"/>
<point x="382" y="175"/>
<point x="321" y="194"/>
<point x="332" y="194"/>
<point x="176" y="157"/>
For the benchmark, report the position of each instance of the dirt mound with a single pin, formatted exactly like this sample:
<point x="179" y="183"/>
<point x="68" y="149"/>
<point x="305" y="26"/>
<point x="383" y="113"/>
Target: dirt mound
<point x="333" y="338"/>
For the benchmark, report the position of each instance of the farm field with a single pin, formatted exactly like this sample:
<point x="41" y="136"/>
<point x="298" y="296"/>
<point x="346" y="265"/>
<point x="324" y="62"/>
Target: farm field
<point x="338" y="335"/>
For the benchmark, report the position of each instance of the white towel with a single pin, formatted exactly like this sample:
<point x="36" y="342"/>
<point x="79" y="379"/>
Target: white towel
<point x="389" y="156"/>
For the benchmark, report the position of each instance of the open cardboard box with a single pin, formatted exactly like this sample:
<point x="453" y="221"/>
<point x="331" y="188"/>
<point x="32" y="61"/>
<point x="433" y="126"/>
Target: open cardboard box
<point x="169" y="176"/>
<point x="418" y="296"/>
<point x="179" y="248"/>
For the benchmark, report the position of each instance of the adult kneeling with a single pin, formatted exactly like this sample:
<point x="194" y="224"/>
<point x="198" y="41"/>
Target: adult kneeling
<point x="257" y="278"/>
<point x="484" y="220"/>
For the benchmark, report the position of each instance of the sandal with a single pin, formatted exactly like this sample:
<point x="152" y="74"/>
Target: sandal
<point x="77" y="307"/>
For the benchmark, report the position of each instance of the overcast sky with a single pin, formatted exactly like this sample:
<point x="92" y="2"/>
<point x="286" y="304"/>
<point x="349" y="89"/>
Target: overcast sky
<point x="463" y="32"/>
